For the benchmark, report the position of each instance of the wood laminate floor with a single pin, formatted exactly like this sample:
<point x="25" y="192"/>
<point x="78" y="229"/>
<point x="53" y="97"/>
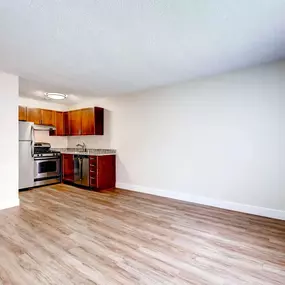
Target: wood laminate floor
<point x="64" y="235"/>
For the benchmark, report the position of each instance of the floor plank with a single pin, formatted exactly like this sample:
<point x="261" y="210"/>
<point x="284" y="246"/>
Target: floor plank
<point x="64" y="235"/>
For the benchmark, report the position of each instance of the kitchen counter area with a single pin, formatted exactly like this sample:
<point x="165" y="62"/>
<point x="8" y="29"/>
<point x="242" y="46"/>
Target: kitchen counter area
<point x="90" y="151"/>
<point x="94" y="169"/>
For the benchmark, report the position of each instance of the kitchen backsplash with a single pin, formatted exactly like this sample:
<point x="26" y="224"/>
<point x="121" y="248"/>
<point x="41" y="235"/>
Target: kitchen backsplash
<point x="94" y="142"/>
<point x="56" y="142"/>
<point x="90" y="141"/>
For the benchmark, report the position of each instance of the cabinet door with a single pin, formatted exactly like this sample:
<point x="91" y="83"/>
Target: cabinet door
<point x="59" y="124"/>
<point x="66" y="124"/>
<point x="75" y="122"/>
<point x="88" y="121"/>
<point x="67" y="167"/>
<point x="22" y="113"/>
<point x="106" y="171"/>
<point x="92" y="121"/>
<point x="48" y="117"/>
<point x="34" y="115"/>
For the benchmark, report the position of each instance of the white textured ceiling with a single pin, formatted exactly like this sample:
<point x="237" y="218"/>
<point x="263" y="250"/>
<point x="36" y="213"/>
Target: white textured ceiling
<point x="108" y="47"/>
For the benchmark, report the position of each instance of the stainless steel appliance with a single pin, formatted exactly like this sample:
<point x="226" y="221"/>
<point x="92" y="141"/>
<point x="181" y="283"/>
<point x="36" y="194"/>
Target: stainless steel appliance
<point x="26" y="155"/>
<point x="47" y="169"/>
<point x="81" y="170"/>
<point x="44" y="128"/>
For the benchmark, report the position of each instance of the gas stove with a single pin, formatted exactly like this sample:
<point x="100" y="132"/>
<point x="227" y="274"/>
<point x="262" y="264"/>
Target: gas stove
<point x="42" y="150"/>
<point x="47" y="169"/>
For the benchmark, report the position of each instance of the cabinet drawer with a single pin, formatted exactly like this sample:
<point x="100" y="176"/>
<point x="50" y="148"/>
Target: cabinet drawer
<point x="92" y="166"/>
<point x="93" y="181"/>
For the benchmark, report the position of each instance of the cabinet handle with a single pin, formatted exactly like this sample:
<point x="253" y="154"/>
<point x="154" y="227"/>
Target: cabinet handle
<point x="92" y="164"/>
<point x="92" y="178"/>
<point x="92" y="171"/>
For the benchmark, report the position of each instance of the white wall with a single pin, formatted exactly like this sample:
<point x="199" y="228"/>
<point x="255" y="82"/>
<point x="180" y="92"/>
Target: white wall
<point x="9" y="92"/>
<point x="218" y="141"/>
<point x="43" y="136"/>
<point x="43" y="104"/>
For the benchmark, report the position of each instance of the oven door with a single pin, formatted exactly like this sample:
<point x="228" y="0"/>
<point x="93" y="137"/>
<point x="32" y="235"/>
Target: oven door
<point x="46" y="168"/>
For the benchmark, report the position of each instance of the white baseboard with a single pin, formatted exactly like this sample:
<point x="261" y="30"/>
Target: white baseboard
<point x="9" y="204"/>
<point x="249" y="209"/>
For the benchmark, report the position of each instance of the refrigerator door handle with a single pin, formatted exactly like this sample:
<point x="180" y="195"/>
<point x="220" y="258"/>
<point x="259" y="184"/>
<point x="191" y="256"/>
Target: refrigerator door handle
<point x="32" y="142"/>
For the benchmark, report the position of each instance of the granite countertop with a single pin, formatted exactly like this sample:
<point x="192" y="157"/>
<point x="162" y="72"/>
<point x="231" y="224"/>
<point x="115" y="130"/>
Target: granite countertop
<point x="90" y="151"/>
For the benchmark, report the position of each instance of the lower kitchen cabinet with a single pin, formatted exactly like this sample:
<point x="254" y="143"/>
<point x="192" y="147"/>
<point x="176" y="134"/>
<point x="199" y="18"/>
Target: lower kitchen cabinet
<point x="67" y="167"/>
<point x="102" y="171"/>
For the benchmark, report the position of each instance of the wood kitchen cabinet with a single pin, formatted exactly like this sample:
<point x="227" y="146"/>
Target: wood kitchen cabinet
<point x="87" y="124"/>
<point x="59" y="124"/>
<point x="47" y="117"/>
<point x="75" y="122"/>
<point x="92" y="121"/>
<point x="41" y="116"/>
<point x="87" y="121"/>
<point x="102" y="172"/>
<point x="66" y="123"/>
<point x="22" y="113"/>
<point x="34" y="115"/>
<point x="67" y="167"/>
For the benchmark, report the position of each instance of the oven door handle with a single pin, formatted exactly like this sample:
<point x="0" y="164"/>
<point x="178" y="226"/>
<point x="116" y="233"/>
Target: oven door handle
<point x="46" y="159"/>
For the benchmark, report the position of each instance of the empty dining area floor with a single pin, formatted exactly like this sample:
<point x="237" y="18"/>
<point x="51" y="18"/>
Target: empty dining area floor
<point x="64" y="235"/>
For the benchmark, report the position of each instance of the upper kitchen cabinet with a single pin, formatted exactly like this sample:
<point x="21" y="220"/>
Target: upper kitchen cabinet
<point x="48" y="117"/>
<point x="66" y="123"/>
<point x="87" y="121"/>
<point x="92" y="121"/>
<point x="22" y="113"/>
<point x="34" y="115"/>
<point x="75" y="122"/>
<point x="59" y="124"/>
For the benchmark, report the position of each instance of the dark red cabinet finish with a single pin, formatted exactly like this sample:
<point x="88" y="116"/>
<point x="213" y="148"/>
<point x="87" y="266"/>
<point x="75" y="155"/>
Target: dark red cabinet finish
<point x="67" y="167"/>
<point x="102" y="172"/>
<point x="66" y="123"/>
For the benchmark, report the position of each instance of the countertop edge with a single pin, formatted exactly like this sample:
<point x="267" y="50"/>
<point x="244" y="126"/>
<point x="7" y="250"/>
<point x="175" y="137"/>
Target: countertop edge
<point x="86" y="153"/>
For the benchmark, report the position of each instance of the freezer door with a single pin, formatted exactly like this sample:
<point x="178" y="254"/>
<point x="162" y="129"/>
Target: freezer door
<point x="26" y="165"/>
<point x="25" y="131"/>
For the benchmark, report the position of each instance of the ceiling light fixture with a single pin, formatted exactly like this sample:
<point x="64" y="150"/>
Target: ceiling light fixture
<point x="55" y="96"/>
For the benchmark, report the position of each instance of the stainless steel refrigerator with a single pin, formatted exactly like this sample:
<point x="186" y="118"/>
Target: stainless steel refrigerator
<point x="26" y="155"/>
